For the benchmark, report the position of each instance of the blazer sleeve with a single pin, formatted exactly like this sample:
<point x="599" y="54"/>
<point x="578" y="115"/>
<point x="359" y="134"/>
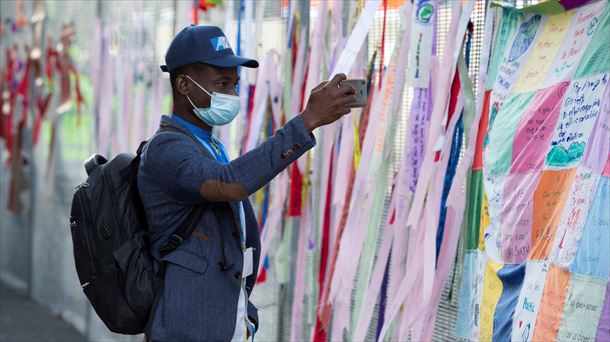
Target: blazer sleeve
<point x="186" y="176"/>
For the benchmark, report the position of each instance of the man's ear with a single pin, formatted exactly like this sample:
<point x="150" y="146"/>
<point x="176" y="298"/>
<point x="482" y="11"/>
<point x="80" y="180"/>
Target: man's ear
<point x="183" y="85"/>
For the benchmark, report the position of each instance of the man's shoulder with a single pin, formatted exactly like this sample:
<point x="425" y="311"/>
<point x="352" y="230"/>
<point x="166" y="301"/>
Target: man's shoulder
<point x="160" y="151"/>
<point x="166" y="144"/>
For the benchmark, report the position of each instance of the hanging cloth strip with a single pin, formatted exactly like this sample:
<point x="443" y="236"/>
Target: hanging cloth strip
<point x="325" y="307"/>
<point x="432" y="208"/>
<point x="297" y="90"/>
<point x="264" y="215"/>
<point x="239" y="19"/>
<point x="136" y="125"/>
<point x="261" y="99"/>
<point x="424" y="259"/>
<point x="465" y="326"/>
<point x="18" y="181"/>
<point x="42" y="104"/>
<point x="105" y="91"/>
<point x="455" y="203"/>
<point x="356" y="39"/>
<point x="389" y="229"/>
<point x="304" y="221"/>
<point x="8" y="104"/>
<point x="80" y="101"/>
<point x="381" y="59"/>
<point x="124" y="73"/>
<point x="375" y="221"/>
<point x="456" y="199"/>
<point x="52" y="59"/>
<point x="288" y="69"/>
<point x="315" y="67"/>
<point x="424" y="26"/>
<point x="339" y="193"/>
<point x="369" y="190"/>
<point x="65" y="67"/>
<point x="319" y="332"/>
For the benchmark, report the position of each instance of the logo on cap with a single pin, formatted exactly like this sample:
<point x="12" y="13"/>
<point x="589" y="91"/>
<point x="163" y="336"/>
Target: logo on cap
<point x="220" y="43"/>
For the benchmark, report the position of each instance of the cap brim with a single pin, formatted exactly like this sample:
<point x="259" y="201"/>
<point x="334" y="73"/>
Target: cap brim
<point x="225" y="62"/>
<point x="232" y="61"/>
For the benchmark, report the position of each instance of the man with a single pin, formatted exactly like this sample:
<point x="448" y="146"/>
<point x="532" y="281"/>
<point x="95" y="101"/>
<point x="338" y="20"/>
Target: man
<point x="210" y="275"/>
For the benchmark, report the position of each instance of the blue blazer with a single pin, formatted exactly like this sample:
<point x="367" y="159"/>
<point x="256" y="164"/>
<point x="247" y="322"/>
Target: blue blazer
<point x="203" y="275"/>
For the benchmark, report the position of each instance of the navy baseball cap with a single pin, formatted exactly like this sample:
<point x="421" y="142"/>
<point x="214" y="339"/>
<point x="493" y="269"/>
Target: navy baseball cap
<point x="203" y="44"/>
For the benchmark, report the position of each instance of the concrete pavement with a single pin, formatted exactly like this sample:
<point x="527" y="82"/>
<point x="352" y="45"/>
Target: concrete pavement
<point x="24" y="320"/>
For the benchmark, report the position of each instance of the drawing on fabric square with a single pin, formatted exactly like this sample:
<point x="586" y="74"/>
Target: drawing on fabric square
<point x="425" y="12"/>
<point x="516" y="59"/>
<point x="524" y="38"/>
<point x="544" y="51"/>
<point x="536" y="129"/>
<point x="579" y="110"/>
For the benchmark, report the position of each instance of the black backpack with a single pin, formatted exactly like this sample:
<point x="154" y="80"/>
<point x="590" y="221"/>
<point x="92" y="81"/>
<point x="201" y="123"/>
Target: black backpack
<point x="111" y="246"/>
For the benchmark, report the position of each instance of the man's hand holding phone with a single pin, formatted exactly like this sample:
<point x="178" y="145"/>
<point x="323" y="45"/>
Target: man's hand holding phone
<point x="331" y="100"/>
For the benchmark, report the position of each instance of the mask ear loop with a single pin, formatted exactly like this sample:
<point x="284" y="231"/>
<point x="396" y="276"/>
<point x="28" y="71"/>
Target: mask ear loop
<point x="197" y="84"/>
<point x="192" y="104"/>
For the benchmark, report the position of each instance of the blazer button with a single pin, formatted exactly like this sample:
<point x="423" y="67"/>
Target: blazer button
<point x="237" y="275"/>
<point x="297" y="146"/>
<point x="283" y="155"/>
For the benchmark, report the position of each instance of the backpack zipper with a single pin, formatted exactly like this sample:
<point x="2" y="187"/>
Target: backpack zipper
<point x="85" y="205"/>
<point x="113" y="197"/>
<point x="82" y="185"/>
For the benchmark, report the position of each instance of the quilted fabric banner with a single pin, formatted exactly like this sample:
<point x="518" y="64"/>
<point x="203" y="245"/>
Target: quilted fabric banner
<point x="537" y="262"/>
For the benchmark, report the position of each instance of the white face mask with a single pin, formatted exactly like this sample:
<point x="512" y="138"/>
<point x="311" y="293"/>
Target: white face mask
<point x="223" y="108"/>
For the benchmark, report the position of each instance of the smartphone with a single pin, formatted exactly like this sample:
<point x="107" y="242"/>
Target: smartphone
<point x="361" y="92"/>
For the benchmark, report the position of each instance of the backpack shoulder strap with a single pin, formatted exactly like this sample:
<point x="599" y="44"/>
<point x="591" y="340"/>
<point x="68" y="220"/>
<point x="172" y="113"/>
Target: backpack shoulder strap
<point x="192" y="220"/>
<point x="186" y="229"/>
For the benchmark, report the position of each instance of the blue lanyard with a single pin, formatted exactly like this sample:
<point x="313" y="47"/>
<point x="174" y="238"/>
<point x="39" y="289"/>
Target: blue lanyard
<point x="215" y="151"/>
